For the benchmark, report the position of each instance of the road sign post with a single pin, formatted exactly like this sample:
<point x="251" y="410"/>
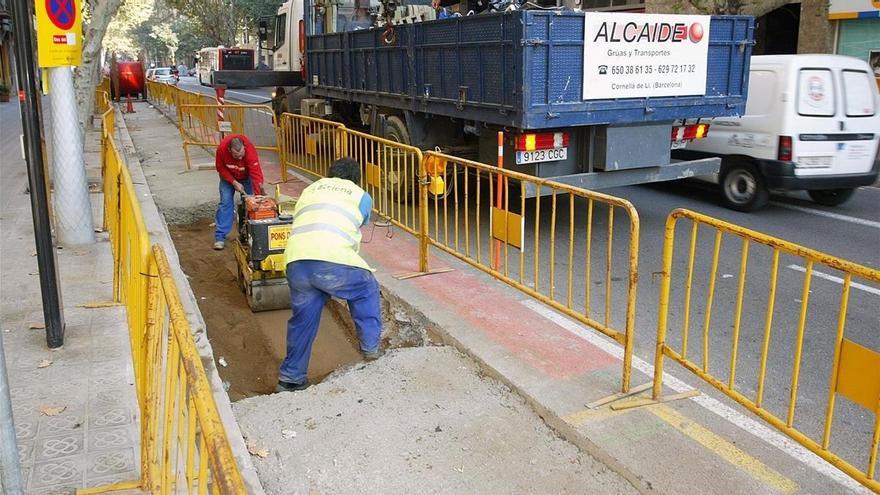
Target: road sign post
<point x="59" y="34"/>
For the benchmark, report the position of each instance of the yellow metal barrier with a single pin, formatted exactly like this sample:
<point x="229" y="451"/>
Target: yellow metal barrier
<point x="854" y="368"/>
<point x="391" y="170"/>
<point x="201" y="125"/>
<point x="183" y="445"/>
<point x="549" y="248"/>
<point x="308" y="144"/>
<point x="102" y="96"/>
<point x="391" y="173"/>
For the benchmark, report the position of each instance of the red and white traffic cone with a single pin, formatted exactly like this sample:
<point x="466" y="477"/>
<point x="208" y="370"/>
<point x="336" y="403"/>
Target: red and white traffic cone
<point x="129" y="108"/>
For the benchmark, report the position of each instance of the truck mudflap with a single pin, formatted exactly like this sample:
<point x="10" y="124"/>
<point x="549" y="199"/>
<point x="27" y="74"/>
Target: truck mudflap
<point x="604" y="180"/>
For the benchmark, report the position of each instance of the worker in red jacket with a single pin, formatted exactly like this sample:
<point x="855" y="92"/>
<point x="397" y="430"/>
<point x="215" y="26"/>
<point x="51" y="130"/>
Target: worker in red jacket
<point x="238" y="164"/>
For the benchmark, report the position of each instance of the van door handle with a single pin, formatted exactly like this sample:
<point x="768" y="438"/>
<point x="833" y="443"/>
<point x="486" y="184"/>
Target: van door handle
<point x="842" y="125"/>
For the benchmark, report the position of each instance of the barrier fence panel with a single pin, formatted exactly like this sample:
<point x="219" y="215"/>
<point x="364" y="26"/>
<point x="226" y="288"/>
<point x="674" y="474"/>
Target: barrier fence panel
<point x="829" y="335"/>
<point x="390" y="173"/>
<point x="562" y="249"/>
<point x="200" y="125"/>
<point x="102" y="96"/>
<point x="183" y="445"/>
<point x="308" y="144"/>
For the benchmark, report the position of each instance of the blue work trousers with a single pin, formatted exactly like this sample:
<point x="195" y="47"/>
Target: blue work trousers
<point x="226" y="209"/>
<point x="311" y="284"/>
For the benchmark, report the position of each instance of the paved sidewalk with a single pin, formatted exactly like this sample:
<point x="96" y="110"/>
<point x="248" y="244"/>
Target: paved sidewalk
<point x="702" y="445"/>
<point x="75" y="419"/>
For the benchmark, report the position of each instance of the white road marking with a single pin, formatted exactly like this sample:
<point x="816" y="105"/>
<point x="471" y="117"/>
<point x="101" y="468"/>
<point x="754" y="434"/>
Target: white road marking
<point x="854" y="285"/>
<point x="828" y="214"/>
<point x="763" y="432"/>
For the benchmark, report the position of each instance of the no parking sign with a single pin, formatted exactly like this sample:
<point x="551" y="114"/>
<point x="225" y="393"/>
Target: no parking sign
<point x="59" y="33"/>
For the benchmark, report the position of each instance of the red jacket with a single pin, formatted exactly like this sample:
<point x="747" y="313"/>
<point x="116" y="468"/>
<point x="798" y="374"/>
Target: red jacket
<point x="231" y="169"/>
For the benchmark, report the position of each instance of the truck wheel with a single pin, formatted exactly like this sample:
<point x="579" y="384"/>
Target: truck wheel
<point x="396" y="130"/>
<point x="831" y="197"/>
<point x="403" y="189"/>
<point x="742" y="187"/>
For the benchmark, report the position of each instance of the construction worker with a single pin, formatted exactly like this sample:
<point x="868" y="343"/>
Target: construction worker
<point x="238" y="164"/>
<point x="322" y="262"/>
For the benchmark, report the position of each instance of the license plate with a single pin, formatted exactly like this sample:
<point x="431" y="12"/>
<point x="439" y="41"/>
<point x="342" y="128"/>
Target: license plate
<point x="814" y="161"/>
<point x="541" y="155"/>
<point x="677" y="145"/>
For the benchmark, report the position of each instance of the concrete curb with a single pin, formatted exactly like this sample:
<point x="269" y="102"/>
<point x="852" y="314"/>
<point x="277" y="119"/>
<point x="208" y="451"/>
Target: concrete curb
<point x="158" y="230"/>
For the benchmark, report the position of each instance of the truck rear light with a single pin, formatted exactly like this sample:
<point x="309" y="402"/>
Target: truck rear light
<point x="541" y="141"/>
<point x="690" y="132"/>
<point x="784" y="153"/>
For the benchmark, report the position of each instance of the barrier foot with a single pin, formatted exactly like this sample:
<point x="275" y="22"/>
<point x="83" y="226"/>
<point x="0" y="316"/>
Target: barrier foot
<point x="99" y="304"/>
<point x="646" y="401"/>
<point x="114" y="487"/>
<point x="619" y="395"/>
<point x="409" y="275"/>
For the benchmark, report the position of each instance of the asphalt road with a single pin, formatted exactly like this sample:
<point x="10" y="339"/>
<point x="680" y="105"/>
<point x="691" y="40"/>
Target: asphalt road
<point x="850" y="231"/>
<point x="251" y="96"/>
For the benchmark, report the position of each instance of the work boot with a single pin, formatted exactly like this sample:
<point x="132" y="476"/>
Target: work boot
<point x="219" y="245"/>
<point x="291" y="387"/>
<point x="371" y="356"/>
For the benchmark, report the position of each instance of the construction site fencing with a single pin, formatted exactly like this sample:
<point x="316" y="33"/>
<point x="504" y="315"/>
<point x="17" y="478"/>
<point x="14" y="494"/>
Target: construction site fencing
<point x="562" y="246"/>
<point x="454" y="205"/>
<point x="204" y="125"/>
<point x="183" y="444"/>
<point x="770" y="357"/>
<point x="391" y="170"/>
<point x="308" y="144"/>
<point x="102" y="96"/>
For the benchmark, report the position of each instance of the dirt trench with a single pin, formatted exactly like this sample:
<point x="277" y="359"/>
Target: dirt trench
<point x="253" y="344"/>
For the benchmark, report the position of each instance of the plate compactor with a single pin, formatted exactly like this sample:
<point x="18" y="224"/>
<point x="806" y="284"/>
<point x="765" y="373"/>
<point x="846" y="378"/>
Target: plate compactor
<point x="263" y="229"/>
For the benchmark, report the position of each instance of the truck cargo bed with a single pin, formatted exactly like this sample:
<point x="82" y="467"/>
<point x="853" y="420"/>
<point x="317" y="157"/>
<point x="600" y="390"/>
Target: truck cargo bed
<point x="522" y="69"/>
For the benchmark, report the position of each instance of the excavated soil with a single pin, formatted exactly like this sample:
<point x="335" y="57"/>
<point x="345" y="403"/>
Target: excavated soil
<point x="418" y="420"/>
<point x="251" y="344"/>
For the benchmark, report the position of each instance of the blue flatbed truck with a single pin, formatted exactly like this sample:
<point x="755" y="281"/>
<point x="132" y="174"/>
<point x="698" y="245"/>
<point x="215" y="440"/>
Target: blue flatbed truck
<point x="454" y="83"/>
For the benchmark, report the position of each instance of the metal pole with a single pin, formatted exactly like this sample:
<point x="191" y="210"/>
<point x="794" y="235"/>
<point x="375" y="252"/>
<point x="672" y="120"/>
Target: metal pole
<point x="73" y="210"/>
<point x="29" y="94"/>
<point x="10" y="467"/>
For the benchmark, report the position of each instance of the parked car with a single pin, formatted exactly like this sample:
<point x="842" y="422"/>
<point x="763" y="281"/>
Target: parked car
<point x="812" y="122"/>
<point x="162" y="75"/>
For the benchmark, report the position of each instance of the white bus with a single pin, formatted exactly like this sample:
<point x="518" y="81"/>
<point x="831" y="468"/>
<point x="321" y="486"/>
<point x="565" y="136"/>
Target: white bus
<point x="221" y="58"/>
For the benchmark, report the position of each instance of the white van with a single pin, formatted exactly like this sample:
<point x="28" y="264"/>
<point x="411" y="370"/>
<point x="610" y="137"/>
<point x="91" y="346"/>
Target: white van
<point x="812" y="123"/>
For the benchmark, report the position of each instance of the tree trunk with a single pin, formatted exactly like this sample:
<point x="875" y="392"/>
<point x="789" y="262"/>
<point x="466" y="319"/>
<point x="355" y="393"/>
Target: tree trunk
<point x="88" y="74"/>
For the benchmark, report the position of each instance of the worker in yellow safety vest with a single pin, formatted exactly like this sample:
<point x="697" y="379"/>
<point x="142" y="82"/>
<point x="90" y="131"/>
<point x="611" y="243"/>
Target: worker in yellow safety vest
<point x="322" y="262"/>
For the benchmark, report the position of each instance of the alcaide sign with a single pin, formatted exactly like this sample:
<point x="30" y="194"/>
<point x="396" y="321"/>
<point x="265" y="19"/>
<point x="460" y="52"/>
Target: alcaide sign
<point x="640" y="55"/>
<point x="59" y="33"/>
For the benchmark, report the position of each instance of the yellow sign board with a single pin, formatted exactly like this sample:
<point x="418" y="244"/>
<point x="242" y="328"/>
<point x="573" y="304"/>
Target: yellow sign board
<point x="278" y="235"/>
<point x="59" y="33"/>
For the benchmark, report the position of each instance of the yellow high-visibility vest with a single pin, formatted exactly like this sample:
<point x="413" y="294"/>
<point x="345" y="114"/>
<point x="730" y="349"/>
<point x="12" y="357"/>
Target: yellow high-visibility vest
<point x="327" y="224"/>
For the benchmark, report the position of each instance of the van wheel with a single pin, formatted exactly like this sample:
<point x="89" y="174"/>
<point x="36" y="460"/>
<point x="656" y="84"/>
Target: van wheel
<point x="831" y="197"/>
<point x="742" y="187"/>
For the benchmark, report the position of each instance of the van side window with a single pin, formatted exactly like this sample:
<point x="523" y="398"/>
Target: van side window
<point x="762" y="92"/>
<point x="280" y="27"/>
<point x="816" y="93"/>
<point x="858" y="93"/>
